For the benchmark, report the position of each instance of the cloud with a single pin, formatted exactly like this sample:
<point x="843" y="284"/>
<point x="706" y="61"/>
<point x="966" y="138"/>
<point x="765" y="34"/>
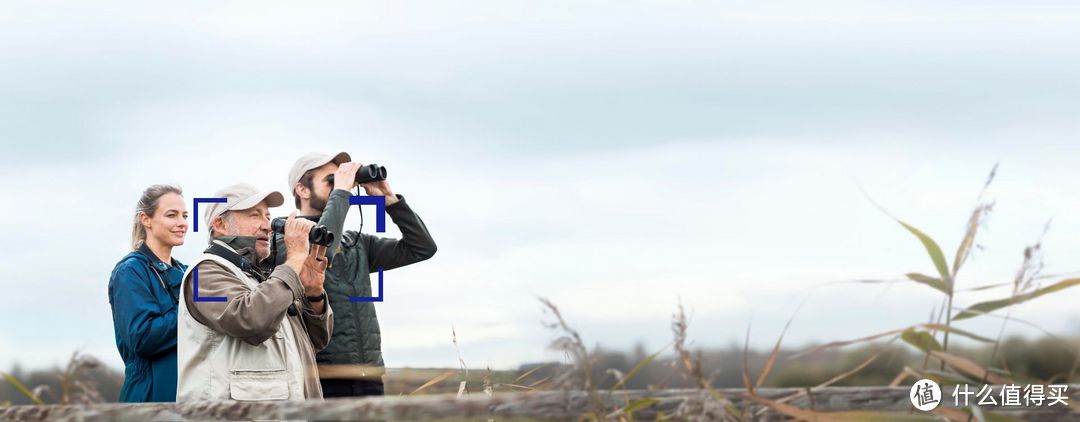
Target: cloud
<point x="517" y="77"/>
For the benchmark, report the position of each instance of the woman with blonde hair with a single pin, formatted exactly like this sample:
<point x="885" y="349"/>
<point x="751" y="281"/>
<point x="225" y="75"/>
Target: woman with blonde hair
<point x="143" y="292"/>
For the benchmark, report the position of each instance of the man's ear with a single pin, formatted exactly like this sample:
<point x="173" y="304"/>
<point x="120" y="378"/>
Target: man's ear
<point x="302" y="191"/>
<point x="218" y="226"/>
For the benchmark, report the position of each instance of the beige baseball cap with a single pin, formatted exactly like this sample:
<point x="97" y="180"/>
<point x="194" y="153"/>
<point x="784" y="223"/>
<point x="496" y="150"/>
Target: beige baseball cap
<point x="314" y="160"/>
<point x="240" y="196"/>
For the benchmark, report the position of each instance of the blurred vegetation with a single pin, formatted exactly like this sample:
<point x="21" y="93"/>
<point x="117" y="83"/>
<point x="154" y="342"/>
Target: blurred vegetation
<point x="83" y="380"/>
<point x="1050" y="359"/>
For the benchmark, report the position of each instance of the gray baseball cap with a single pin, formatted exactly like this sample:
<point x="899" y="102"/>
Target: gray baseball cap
<point x="240" y="196"/>
<point x="314" y="160"/>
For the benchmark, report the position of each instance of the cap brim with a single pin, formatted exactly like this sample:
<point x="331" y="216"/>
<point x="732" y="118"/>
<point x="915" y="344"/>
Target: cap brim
<point x="313" y="161"/>
<point x="341" y="157"/>
<point x="272" y="198"/>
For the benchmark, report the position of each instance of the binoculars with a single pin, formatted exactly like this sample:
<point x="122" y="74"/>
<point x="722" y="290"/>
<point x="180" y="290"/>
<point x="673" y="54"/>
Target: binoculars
<point x="367" y="173"/>
<point x="319" y="235"/>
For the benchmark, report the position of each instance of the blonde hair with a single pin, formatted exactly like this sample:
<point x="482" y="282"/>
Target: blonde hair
<point x="148" y="204"/>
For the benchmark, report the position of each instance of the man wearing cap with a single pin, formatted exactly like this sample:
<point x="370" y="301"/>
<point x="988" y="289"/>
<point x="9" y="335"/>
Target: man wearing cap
<point x="352" y="364"/>
<point x="244" y="333"/>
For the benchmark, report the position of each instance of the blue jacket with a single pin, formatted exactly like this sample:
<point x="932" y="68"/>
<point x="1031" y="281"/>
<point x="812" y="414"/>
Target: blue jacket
<point x="144" y="322"/>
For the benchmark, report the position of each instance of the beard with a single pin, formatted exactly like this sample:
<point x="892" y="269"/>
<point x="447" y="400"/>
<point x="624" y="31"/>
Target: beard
<point x="261" y="252"/>
<point x="318" y="203"/>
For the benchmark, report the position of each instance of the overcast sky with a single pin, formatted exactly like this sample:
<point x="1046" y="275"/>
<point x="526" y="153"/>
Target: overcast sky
<point x="614" y="156"/>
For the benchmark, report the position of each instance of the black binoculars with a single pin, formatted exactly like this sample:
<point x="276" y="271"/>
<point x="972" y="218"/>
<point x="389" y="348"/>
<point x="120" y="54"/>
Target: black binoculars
<point x="367" y="174"/>
<point x="319" y="235"/>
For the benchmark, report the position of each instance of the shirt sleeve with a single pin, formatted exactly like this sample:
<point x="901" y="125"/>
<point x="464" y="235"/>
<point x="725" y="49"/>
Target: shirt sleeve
<point x="414" y="246"/>
<point x="139" y="320"/>
<point x="319" y="326"/>
<point x="333" y="217"/>
<point x="252" y="315"/>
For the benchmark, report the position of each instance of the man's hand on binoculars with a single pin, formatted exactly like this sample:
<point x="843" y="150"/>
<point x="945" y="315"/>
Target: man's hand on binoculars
<point x="296" y="241"/>
<point x="380" y="188"/>
<point x="345" y="176"/>
<point x="314" y="272"/>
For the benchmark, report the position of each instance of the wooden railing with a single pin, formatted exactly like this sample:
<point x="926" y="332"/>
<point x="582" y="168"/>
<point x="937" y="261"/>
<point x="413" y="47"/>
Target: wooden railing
<point x="544" y="405"/>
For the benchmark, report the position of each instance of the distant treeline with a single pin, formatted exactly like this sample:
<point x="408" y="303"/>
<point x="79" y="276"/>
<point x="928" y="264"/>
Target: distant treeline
<point x="1047" y="359"/>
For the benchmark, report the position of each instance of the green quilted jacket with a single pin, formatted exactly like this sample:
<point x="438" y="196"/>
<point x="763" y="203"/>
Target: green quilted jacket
<point x="355" y="349"/>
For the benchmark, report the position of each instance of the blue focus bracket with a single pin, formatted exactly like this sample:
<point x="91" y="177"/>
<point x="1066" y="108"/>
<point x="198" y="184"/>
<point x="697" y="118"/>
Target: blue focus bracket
<point x="380" y="208"/>
<point x="380" y="226"/>
<point x="195" y="271"/>
<point x="196" y="208"/>
<point x="378" y="298"/>
<point x="195" y="279"/>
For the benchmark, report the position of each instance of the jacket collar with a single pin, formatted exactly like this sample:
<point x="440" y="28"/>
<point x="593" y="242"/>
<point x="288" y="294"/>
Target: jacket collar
<point x="242" y="245"/>
<point x="154" y="260"/>
<point x="242" y="249"/>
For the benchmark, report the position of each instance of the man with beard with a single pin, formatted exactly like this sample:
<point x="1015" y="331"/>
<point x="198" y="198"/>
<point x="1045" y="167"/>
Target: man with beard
<point x="352" y="364"/>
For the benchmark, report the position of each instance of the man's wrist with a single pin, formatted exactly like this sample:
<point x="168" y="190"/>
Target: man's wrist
<point x="297" y="264"/>
<point x="391" y="198"/>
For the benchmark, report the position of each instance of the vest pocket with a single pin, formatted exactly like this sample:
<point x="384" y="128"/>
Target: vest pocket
<point x="259" y="384"/>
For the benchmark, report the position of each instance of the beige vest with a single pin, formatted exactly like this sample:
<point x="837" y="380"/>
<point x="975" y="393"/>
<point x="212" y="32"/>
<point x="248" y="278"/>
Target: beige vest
<point x="214" y="366"/>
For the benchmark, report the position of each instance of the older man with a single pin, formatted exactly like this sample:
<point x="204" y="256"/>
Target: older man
<point x="244" y="334"/>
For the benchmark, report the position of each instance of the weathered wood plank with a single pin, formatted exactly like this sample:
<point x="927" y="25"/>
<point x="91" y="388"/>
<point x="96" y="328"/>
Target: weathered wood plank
<point x="545" y="405"/>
